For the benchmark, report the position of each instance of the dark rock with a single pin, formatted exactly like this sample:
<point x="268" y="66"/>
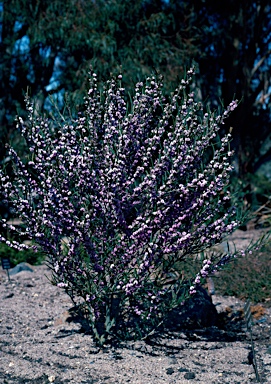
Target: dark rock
<point x="29" y="285"/>
<point x="183" y="370"/>
<point x="196" y="312"/>
<point x="9" y="296"/>
<point x="20" y="268"/>
<point x="170" y="371"/>
<point x="116" y="356"/>
<point x="189" y="375"/>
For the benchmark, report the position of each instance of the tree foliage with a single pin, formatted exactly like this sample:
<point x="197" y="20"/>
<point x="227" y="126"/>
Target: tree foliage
<point x="48" y="46"/>
<point x="237" y="37"/>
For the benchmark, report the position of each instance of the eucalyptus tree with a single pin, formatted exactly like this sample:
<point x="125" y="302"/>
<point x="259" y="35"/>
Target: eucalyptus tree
<point x="48" y="47"/>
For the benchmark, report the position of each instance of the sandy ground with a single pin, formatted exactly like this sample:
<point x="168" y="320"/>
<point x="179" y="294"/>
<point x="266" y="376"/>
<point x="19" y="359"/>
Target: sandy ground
<point x="38" y="344"/>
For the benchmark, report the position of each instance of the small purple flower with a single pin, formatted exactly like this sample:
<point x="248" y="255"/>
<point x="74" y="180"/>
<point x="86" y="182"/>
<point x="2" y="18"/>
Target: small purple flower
<point x="62" y="285"/>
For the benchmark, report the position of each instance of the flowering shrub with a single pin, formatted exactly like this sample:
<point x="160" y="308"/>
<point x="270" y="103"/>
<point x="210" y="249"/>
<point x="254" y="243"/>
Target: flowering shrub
<point x="120" y="194"/>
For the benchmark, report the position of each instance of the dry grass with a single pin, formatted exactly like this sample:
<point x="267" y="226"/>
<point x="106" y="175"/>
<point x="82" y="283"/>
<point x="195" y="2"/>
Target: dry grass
<point x="248" y="277"/>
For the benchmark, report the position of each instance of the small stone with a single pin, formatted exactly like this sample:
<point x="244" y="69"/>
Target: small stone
<point x="20" y="268"/>
<point x="170" y="371"/>
<point x="173" y="360"/>
<point x="65" y="317"/>
<point x="116" y="356"/>
<point x="183" y="370"/>
<point x="51" y="379"/>
<point x="189" y="375"/>
<point x="9" y="296"/>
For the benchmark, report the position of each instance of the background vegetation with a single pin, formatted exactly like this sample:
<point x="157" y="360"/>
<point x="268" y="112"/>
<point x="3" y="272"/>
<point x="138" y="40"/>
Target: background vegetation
<point x="49" y="45"/>
<point x="28" y="256"/>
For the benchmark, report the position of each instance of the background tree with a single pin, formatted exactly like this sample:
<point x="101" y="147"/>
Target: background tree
<point x="236" y="39"/>
<point x="48" y="46"/>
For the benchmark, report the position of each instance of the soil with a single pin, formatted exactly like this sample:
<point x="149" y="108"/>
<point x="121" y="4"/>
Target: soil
<point x="41" y="341"/>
